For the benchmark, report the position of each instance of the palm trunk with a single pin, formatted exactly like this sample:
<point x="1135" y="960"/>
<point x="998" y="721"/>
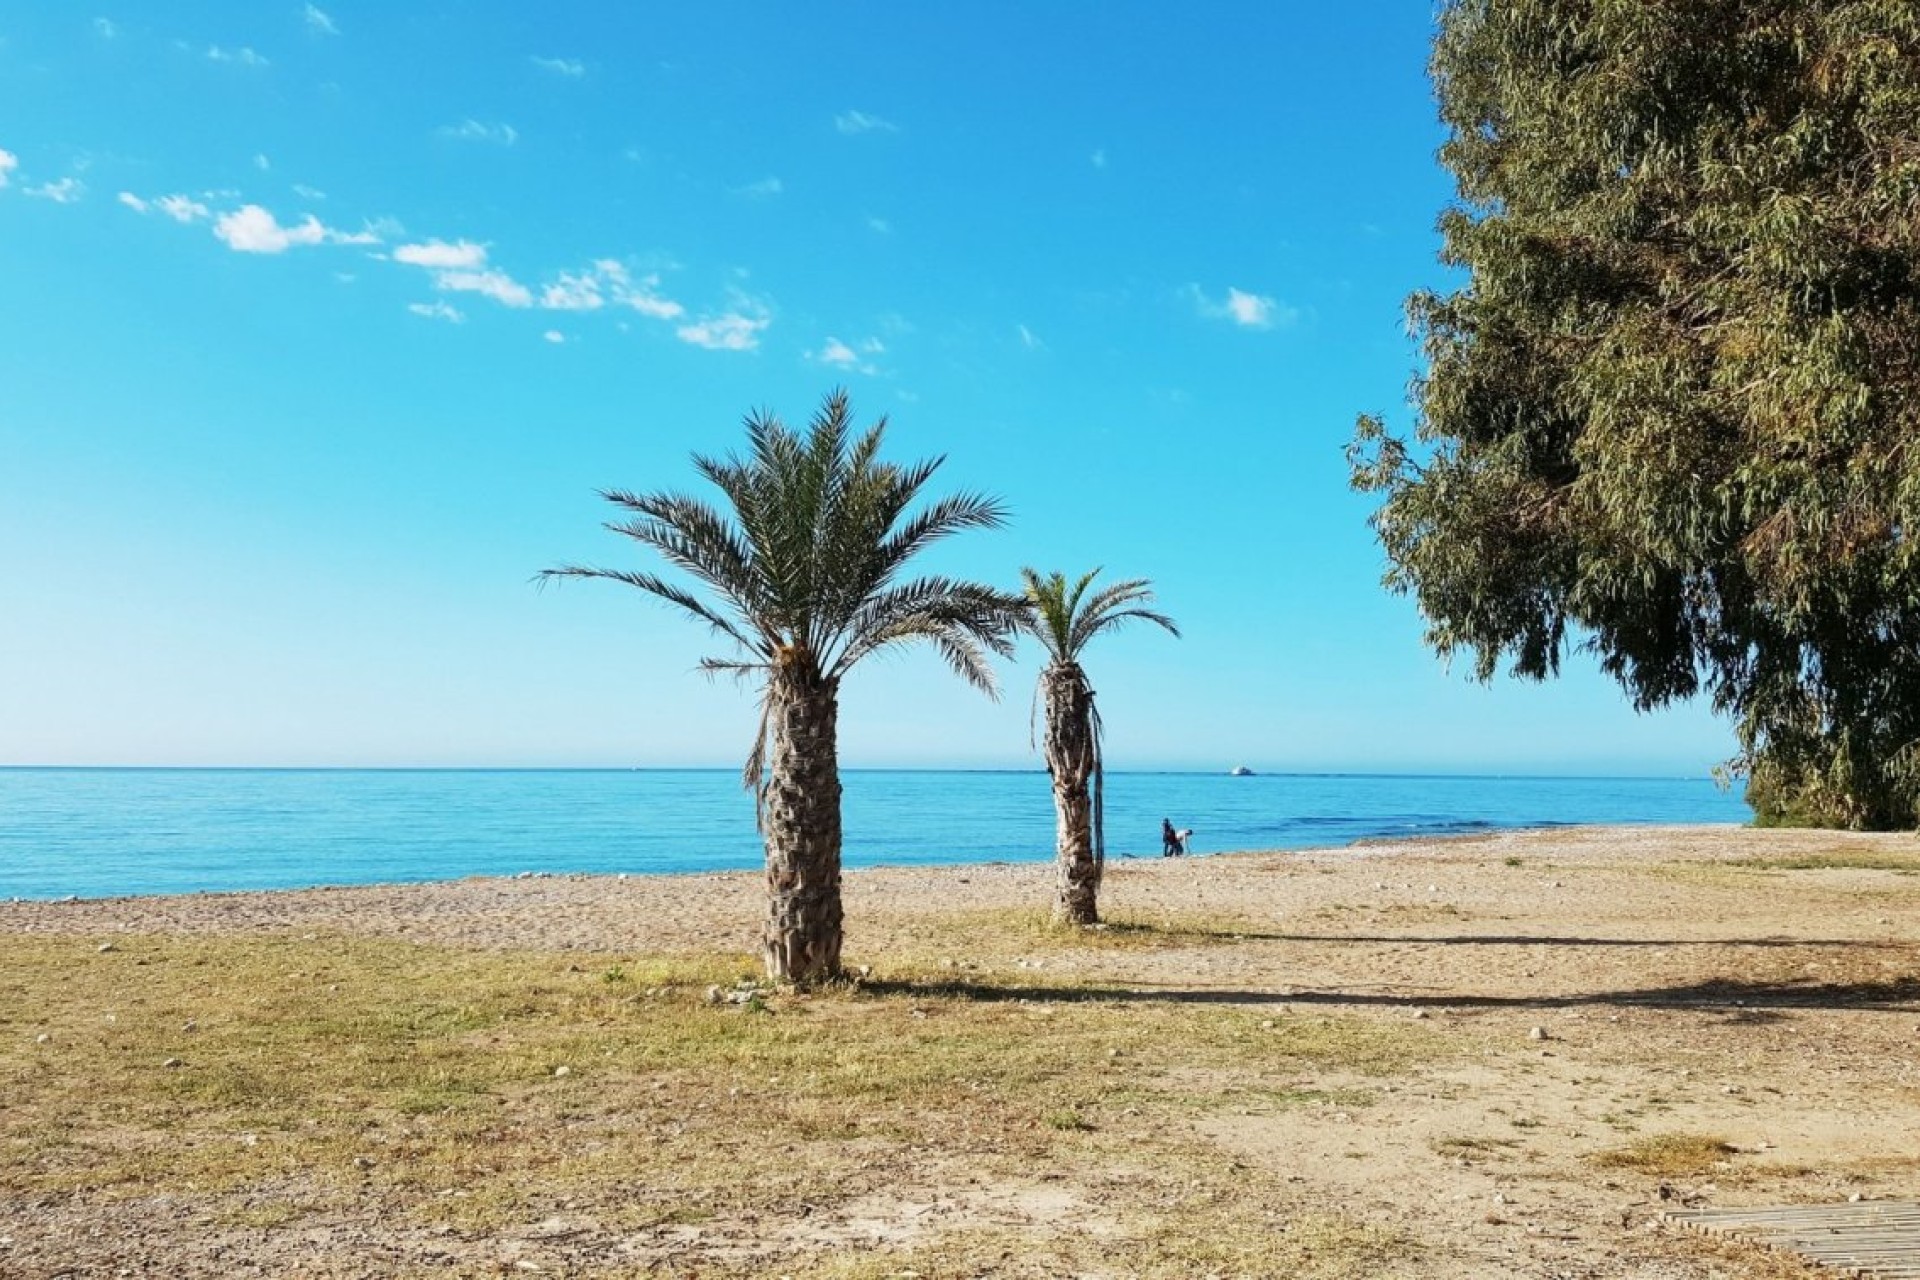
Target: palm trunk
<point x="800" y="820"/>
<point x="1073" y="760"/>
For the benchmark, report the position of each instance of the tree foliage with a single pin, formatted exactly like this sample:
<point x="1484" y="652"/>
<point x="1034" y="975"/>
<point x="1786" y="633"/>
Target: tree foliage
<point x="803" y="572"/>
<point x="1674" y="413"/>
<point x="804" y="565"/>
<point x="1065" y="619"/>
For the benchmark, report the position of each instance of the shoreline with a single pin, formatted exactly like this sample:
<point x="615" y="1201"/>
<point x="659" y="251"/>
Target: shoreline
<point x="722" y="910"/>
<point x="1361" y="845"/>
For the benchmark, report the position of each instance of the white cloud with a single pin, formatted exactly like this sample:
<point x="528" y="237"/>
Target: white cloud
<point x="179" y="208"/>
<point x="242" y="56"/>
<point x="573" y="292"/>
<point x="461" y="267"/>
<point x="764" y="189"/>
<point x="182" y="209"/>
<point x="855" y="357"/>
<point x="8" y="163"/>
<point x="554" y="336"/>
<point x="1248" y="310"/>
<point x="490" y="283"/>
<point x="880" y="225"/>
<point x="320" y="22"/>
<point x="65" y="191"/>
<point x="1028" y="339"/>
<point x="736" y="330"/>
<point x="105" y="27"/>
<point x="607" y="282"/>
<point x="306" y="192"/>
<point x="861" y="122"/>
<point x="471" y="130"/>
<point x="261" y="162"/>
<point x="441" y="255"/>
<point x="438" y="311"/>
<point x="252" y="229"/>
<point x="571" y="68"/>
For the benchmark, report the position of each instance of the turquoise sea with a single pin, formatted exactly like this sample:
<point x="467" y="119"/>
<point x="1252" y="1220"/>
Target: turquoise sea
<point x="106" y="832"/>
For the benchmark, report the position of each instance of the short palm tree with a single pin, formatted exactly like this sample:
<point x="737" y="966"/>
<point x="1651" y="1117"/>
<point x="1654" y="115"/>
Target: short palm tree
<point x="1064" y="619"/>
<point x="803" y="576"/>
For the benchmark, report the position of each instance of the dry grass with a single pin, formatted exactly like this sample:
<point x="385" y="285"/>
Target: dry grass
<point x="279" y="1081"/>
<point x="1669" y="1155"/>
<point x="1840" y="859"/>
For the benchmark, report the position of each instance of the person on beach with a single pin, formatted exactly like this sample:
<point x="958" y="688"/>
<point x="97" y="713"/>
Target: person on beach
<point x="1171" y="845"/>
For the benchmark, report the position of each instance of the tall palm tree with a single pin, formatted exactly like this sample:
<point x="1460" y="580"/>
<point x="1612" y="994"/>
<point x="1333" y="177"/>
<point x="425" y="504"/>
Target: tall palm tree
<point x="803" y="576"/>
<point x="1064" y="619"/>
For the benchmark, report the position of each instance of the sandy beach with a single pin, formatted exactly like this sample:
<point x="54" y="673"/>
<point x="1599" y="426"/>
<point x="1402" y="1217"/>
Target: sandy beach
<point x="1597" y="987"/>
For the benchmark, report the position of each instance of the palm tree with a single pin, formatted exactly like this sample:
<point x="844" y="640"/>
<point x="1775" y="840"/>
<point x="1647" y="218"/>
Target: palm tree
<point x="803" y="576"/>
<point x="1063" y="618"/>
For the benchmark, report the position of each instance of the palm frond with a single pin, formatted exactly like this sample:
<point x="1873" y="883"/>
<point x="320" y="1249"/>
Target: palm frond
<point x="1104" y="612"/>
<point x="964" y="620"/>
<point x="662" y="589"/>
<point x="804" y="560"/>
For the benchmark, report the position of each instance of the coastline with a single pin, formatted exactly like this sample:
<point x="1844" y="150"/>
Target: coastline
<point x="683" y="912"/>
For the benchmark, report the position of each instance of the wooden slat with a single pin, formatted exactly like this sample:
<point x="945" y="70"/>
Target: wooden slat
<point x="1876" y="1239"/>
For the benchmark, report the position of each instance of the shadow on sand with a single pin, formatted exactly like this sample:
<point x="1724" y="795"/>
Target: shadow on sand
<point x="1747" y="1001"/>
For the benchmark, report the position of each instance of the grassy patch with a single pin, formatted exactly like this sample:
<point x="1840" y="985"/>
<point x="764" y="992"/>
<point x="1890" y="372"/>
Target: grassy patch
<point x="476" y="1092"/>
<point x="1668" y="1155"/>
<point x="1023" y="931"/>
<point x="1842" y="859"/>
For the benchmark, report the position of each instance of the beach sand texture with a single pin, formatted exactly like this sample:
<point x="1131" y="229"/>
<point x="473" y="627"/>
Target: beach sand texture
<point x="1599" y="988"/>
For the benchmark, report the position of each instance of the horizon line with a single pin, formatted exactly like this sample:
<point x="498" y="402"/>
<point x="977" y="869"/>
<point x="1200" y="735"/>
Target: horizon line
<point x="982" y="769"/>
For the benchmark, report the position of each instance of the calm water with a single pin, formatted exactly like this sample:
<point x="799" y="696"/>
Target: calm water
<point x="102" y="832"/>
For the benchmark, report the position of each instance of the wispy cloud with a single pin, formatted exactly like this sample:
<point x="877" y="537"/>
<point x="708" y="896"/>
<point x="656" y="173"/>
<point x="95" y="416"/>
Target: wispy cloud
<point x="306" y="192"/>
<point x="571" y="68"/>
<point x="880" y="225"/>
<point x="438" y="310"/>
<point x="441" y="255"/>
<point x="182" y="208"/>
<point x="1248" y="310"/>
<point x="504" y="135"/>
<point x="1099" y="158"/>
<point x="179" y="208"/>
<point x="490" y="283"/>
<point x="105" y="28"/>
<point x="1028" y="339"/>
<point x="461" y="267"/>
<point x="243" y="56"/>
<point x="8" y="163"/>
<point x="608" y="283"/>
<point x="253" y="229"/>
<point x="320" y="22"/>
<point x="765" y="189"/>
<point x="856" y="357"/>
<point x="65" y="191"/>
<point x="261" y="162"/>
<point x="736" y="329"/>
<point x="554" y="336"/>
<point x="851" y="122"/>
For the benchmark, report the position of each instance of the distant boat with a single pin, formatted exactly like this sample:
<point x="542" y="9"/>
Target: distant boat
<point x="1239" y="771"/>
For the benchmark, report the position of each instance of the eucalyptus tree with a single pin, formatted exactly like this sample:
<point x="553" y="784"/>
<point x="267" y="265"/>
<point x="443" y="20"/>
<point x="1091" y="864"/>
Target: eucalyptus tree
<point x="803" y="574"/>
<point x="1065" y="619"/>
<point x="1673" y="413"/>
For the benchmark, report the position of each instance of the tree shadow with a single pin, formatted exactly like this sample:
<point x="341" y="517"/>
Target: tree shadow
<point x="1753" y="1002"/>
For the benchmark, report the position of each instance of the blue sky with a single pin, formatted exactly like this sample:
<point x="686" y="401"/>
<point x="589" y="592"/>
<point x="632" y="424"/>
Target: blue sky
<point x="324" y="322"/>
